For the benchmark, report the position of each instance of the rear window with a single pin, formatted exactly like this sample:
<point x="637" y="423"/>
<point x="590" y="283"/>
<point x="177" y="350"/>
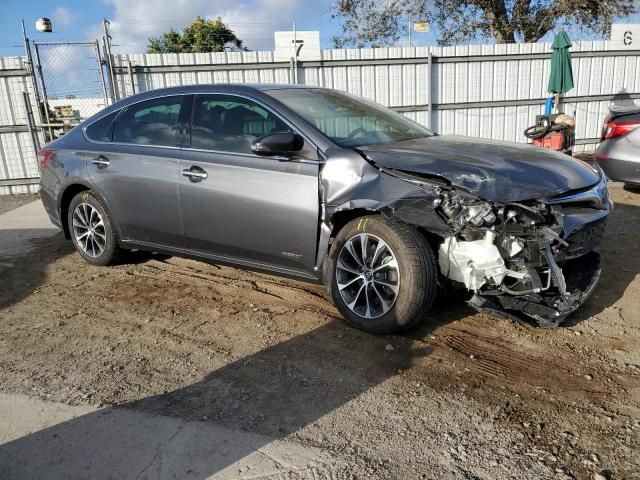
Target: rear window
<point x="102" y="130"/>
<point x="152" y="122"/>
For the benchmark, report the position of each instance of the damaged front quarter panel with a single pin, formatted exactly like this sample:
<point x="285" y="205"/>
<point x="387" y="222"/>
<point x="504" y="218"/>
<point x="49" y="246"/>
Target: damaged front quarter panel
<point x="348" y="183"/>
<point x="535" y="261"/>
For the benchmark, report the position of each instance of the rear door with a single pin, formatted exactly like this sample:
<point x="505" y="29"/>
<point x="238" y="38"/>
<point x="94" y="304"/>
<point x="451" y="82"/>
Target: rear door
<point x="135" y="166"/>
<point x="262" y="211"/>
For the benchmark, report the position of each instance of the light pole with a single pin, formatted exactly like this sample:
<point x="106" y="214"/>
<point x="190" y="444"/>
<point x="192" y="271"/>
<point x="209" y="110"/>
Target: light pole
<point x="43" y="25"/>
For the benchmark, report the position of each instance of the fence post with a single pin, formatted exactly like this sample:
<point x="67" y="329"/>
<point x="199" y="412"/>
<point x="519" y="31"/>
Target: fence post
<point x="130" y="71"/>
<point x="45" y="100"/>
<point x="429" y="99"/>
<point x="109" y="58"/>
<point x="31" y="122"/>
<point x="291" y="70"/>
<point x="102" y="82"/>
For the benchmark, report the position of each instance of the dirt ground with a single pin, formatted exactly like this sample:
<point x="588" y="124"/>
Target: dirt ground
<point x="463" y="396"/>
<point x="9" y="202"/>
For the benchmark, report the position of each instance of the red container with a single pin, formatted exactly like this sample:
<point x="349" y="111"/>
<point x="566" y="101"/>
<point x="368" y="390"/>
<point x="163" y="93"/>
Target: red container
<point x="552" y="141"/>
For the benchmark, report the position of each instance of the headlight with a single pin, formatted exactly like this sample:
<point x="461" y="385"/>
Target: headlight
<point x="598" y="195"/>
<point x="478" y="215"/>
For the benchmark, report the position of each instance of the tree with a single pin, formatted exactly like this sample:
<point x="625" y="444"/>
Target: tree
<point x="201" y="36"/>
<point x="382" y="22"/>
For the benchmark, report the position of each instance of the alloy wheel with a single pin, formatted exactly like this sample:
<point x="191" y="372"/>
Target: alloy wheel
<point x="88" y="229"/>
<point x="368" y="275"/>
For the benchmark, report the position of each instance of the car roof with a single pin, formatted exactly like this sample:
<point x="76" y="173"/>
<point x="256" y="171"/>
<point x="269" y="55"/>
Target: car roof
<point x="246" y="88"/>
<point x="222" y="87"/>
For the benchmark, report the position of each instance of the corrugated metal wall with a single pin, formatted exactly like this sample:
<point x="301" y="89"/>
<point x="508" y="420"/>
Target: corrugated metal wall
<point x="490" y="91"/>
<point x="153" y="71"/>
<point x="17" y="152"/>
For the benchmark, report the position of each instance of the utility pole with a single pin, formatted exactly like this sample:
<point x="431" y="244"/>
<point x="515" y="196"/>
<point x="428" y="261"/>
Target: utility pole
<point x="297" y="46"/>
<point x="109" y="59"/>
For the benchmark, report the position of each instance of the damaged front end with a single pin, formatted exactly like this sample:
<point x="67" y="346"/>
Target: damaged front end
<point x="531" y="260"/>
<point x="534" y="261"/>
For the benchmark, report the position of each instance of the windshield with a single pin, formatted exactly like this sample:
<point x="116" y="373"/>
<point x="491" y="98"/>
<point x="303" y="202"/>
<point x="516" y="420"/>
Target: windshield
<point x="348" y="120"/>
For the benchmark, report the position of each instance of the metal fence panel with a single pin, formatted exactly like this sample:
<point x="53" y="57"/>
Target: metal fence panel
<point x="18" y="167"/>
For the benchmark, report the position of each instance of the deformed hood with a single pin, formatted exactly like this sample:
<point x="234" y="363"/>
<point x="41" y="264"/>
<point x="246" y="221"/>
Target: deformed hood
<point x="494" y="171"/>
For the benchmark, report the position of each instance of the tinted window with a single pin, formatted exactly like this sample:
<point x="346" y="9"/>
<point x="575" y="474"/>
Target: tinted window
<point x="229" y="124"/>
<point x="101" y="130"/>
<point x="154" y="122"/>
<point x="348" y="120"/>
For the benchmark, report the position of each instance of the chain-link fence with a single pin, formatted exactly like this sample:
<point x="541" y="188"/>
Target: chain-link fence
<point x="72" y="83"/>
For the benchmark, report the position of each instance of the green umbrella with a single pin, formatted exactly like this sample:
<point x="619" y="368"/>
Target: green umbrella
<point x="561" y="78"/>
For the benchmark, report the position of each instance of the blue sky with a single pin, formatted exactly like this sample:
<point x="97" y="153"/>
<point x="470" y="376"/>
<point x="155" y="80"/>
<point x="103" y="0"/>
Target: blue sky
<point x="134" y="21"/>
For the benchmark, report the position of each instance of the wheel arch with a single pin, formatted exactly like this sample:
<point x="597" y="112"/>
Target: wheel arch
<point x="65" y="200"/>
<point x="341" y="218"/>
<point x="69" y="193"/>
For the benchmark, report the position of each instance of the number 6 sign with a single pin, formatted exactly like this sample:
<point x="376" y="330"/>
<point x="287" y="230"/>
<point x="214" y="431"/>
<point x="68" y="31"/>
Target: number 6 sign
<point x="622" y="36"/>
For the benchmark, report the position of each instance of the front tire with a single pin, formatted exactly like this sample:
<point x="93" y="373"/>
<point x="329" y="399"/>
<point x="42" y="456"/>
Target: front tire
<point x="91" y="230"/>
<point x="383" y="274"/>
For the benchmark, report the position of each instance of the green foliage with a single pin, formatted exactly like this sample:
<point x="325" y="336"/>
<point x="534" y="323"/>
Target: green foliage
<point x="371" y="23"/>
<point x="201" y="36"/>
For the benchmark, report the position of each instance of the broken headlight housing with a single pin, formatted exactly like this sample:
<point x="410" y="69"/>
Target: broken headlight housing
<point x="464" y="210"/>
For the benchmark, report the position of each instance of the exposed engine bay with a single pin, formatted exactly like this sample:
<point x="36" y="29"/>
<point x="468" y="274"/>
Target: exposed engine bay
<point x="535" y="261"/>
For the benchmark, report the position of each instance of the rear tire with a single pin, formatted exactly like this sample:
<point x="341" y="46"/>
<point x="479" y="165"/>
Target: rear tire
<point x="91" y="229"/>
<point x="389" y="288"/>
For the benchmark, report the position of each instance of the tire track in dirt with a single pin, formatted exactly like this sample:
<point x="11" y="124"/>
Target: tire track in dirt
<point x="502" y="362"/>
<point x="262" y="290"/>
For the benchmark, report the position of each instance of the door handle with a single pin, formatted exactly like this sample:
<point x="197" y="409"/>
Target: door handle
<point x="101" y="162"/>
<point x="195" y="174"/>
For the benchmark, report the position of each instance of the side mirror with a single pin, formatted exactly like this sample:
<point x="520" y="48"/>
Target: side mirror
<point x="277" y="144"/>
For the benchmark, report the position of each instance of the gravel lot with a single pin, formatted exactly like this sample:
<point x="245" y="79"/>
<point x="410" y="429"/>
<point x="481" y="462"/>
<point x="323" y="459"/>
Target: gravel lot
<point x="463" y="396"/>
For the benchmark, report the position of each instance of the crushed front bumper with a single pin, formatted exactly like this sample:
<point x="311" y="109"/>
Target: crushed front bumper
<point x="573" y="263"/>
<point x="581" y="276"/>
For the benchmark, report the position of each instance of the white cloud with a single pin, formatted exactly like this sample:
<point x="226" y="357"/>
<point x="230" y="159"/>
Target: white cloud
<point x="63" y="17"/>
<point x="253" y="21"/>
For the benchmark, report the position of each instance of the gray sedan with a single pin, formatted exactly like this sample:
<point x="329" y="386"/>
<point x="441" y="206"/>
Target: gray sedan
<point x="325" y="186"/>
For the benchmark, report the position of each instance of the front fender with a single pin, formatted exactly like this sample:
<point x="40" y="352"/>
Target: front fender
<point x="348" y="182"/>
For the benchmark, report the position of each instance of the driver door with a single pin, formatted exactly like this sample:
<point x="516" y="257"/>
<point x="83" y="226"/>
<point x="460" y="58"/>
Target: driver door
<point x="241" y="207"/>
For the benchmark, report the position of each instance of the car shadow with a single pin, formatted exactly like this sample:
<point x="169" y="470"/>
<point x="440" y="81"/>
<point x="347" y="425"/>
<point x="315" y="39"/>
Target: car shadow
<point x="232" y="413"/>
<point x="24" y="257"/>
